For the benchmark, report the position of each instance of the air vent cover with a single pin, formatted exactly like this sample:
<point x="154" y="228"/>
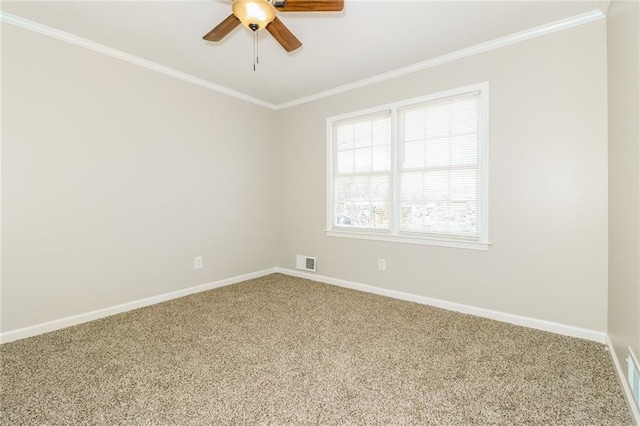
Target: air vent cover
<point x="306" y="263"/>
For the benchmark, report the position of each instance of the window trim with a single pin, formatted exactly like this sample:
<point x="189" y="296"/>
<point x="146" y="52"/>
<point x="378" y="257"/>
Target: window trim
<point x="394" y="234"/>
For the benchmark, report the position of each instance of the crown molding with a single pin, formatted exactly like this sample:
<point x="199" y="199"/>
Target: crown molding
<point x="118" y="54"/>
<point x="560" y="25"/>
<point x="563" y="24"/>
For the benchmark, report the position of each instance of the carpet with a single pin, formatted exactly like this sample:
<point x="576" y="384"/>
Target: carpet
<point x="284" y="350"/>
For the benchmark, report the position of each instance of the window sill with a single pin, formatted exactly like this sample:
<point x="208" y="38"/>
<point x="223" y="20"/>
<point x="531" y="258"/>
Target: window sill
<point x="470" y="245"/>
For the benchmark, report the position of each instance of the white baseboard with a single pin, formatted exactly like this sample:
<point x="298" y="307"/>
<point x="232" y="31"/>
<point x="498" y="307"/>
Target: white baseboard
<point x="622" y="378"/>
<point x="567" y="330"/>
<point x="45" y="327"/>
<point x="553" y="327"/>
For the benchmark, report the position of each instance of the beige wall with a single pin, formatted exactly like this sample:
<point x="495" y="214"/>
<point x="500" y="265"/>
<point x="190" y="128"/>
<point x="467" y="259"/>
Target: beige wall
<point x="548" y="185"/>
<point x="120" y="176"/>
<point x="115" y="177"/>
<point x="624" y="178"/>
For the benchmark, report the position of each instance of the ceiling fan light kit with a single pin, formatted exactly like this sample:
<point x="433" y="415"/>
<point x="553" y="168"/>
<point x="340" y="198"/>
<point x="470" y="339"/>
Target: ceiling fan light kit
<point x="254" y="14"/>
<point x="258" y="14"/>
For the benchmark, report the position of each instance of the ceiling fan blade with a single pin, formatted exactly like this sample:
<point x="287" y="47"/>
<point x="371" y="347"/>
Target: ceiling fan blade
<point x="223" y="28"/>
<point x="311" y="6"/>
<point x="283" y="36"/>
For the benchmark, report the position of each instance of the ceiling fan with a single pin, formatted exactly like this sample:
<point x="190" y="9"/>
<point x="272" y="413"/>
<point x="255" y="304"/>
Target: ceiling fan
<point x="259" y="14"/>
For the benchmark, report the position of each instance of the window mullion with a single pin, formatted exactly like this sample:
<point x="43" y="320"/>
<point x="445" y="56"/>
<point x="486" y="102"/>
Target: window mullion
<point x="394" y="175"/>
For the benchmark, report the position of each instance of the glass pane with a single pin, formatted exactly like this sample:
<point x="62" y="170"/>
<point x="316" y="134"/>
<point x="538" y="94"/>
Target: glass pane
<point x="464" y="116"/>
<point x="414" y="155"/>
<point x="379" y="188"/>
<point x="381" y="158"/>
<point x="362" y="201"/>
<point x="415" y="216"/>
<point x="411" y="187"/>
<point x="363" y="160"/>
<point x="441" y="218"/>
<point x="414" y="124"/>
<point x="436" y="185"/>
<point x="463" y="185"/>
<point x="345" y="162"/>
<point x="438" y="121"/>
<point x="344" y="136"/>
<point x="381" y="131"/>
<point x="437" y="152"/>
<point x="464" y="149"/>
<point x="363" y="134"/>
<point x="456" y="218"/>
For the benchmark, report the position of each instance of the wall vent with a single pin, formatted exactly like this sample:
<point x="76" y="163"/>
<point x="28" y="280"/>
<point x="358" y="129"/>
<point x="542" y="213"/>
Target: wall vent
<point x="306" y="263"/>
<point x="633" y="373"/>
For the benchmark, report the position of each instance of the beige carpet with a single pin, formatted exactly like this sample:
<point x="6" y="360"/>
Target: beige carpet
<point x="283" y="350"/>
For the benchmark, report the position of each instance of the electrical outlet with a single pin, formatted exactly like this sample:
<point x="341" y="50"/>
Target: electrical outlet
<point x="197" y="263"/>
<point x="382" y="264"/>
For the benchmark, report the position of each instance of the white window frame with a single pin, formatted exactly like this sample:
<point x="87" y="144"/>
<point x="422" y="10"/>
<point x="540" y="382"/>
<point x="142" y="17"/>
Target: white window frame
<point x="393" y="233"/>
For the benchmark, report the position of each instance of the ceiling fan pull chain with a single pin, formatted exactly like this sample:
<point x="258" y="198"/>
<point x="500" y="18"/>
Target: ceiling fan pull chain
<point x="255" y="54"/>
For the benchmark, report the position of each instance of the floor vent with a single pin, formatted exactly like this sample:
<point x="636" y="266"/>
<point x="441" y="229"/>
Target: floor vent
<point x="306" y="263"/>
<point x="634" y="376"/>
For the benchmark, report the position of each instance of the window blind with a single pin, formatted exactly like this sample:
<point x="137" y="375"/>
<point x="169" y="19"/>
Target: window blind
<point x="413" y="171"/>
<point x="439" y="168"/>
<point x="362" y="171"/>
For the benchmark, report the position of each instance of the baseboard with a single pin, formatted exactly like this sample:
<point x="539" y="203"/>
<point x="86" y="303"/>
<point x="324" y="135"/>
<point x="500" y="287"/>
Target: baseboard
<point x="567" y="330"/>
<point x="628" y="395"/>
<point x="45" y="327"/>
<point x="553" y="327"/>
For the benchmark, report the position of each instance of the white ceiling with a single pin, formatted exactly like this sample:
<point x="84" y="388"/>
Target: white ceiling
<point x="368" y="38"/>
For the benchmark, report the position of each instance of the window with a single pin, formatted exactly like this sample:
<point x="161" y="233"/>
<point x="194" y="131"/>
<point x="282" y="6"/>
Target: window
<point x="414" y="171"/>
<point x="363" y="171"/>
